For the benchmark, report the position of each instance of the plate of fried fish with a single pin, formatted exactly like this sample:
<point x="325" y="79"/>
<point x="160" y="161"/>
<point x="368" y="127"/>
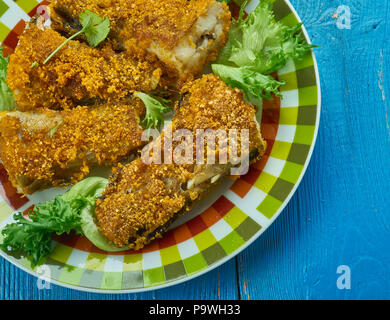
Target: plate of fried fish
<point x="146" y="142"/>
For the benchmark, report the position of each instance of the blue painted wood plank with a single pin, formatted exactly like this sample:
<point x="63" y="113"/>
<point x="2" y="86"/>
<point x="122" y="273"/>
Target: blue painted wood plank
<point x="219" y="284"/>
<point x="340" y="214"/>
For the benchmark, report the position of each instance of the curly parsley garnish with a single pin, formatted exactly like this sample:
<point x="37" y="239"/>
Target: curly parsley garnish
<point x="32" y="235"/>
<point x="95" y="28"/>
<point x="155" y="109"/>
<point x="258" y="46"/>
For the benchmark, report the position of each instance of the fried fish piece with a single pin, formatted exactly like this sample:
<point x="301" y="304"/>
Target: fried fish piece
<point x="183" y="34"/>
<point x="143" y="199"/>
<point x="76" y="75"/>
<point x="49" y="148"/>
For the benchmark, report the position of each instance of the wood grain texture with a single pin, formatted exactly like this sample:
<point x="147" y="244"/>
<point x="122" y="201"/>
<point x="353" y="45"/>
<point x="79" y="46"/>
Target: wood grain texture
<point x="340" y="214"/>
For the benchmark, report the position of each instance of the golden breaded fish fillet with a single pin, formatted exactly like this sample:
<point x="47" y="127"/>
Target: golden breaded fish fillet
<point x="183" y="34"/>
<point x="57" y="148"/>
<point x="142" y="199"/>
<point x="76" y="75"/>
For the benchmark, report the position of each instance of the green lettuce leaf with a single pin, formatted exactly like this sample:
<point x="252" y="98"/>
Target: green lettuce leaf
<point x="32" y="235"/>
<point x="89" y="190"/>
<point x="262" y="43"/>
<point x="254" y="85"/>
<point x="96" y="29"/>
<point x="155" y="110"/>
<point x="91" y="231"/>
<point x="7" y="101"/>
<point x="257" y="47"/>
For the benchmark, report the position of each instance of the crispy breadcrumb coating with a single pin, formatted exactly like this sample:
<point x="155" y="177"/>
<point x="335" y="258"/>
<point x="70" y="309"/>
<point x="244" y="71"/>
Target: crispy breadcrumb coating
<point x="149" y="20"/>
<point x="166" y="28"/>
<point x="143" y="199"/>
<point x="76" y="75"/>
<point x="57" y="148"/>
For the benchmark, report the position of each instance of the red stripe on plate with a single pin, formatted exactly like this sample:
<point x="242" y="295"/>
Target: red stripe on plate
<point x="223" y="206"/>
<point x="9" y="193"/>
<point x="168" y="240"/>
<point x="252" y="176"/>
<point x="196" y="225"/>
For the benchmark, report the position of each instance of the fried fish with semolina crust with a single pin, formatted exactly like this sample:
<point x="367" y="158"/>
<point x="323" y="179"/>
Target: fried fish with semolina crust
<point x="184" y="35"/>
<point x="142" y="200"/>
<point x="49" y="148"/>
<point x="77" y="75"/>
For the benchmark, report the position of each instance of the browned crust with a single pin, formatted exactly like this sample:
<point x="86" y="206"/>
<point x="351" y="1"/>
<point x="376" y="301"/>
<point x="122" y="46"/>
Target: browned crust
<point x="142" y="198"/>
<point x="75" y="75"/>
<point x="138" y="23"/>
<point x="148" y="20"/>
<point x="40" y="157"/>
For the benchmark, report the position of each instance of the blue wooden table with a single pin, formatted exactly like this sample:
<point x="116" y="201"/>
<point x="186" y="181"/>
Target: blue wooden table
<point x="337" y="226"/>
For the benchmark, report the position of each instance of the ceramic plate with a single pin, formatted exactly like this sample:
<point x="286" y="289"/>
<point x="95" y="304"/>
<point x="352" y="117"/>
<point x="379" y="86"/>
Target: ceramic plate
<point x="222" y="225"/>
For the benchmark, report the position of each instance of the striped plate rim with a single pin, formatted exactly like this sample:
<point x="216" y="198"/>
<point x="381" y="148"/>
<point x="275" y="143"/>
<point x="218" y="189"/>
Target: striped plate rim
<point x="218" y="233"/>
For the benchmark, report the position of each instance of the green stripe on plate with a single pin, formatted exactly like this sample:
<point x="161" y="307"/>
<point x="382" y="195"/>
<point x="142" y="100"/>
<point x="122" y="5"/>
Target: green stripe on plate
<point x="61" y="253"/>
<point x="170" y="255"/>
<point x="3" y="8"/>
<point x="174" y="271"/>
<point x="305" y="62"/>
<point x="4" y="31"/>
<point x="71" y="275"/>
<point x="204" y="239"/>
<point x="281" y="9"/>
<point x="308" y="96"/>
<point x="132" y="262"/>
<point x="111" y="281"/>
<point x="235" y="217"/>
<point x="5" y="211"/>
<point x="265" y="182"/>
<point x="153" y="277"/>
<point x="307" y="115"/>
<point x="248" y="229"/>
<point x="299" y="153"/>
<point x="289" y="115"/>
<point x="281" y="189"/>
<point x="281" y="150"/>
<point x="291" y="172"/>
<point x="27" y="5"/>
<point x="194" y="263"/>
<point x="95" y="261"/>
<point x="306" y="77"/>
<point x="269" y="206"/>
<point x="291" y="81"/>
<point x="231" y="242"/>
<point x="304" y="134"/>
<point x="213" y="253"/>
<point x="56" y="268"/>
<point x="290" y="20"/>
